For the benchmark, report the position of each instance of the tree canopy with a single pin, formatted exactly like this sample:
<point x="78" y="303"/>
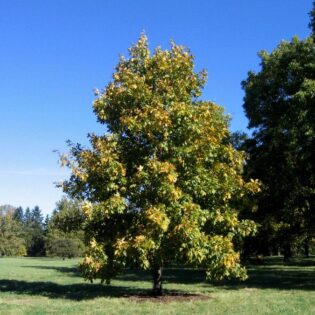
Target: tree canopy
<point x="279" y="103"/>
<point x="64" y="231"/>
<point x="164" y="183"/>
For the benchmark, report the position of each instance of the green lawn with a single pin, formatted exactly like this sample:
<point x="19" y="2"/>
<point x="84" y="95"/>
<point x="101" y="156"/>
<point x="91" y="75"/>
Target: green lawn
<point x="52" y="286"/>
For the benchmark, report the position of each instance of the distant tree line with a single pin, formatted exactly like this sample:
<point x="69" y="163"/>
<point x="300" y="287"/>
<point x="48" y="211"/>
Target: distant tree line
<point x="25" y="232"/>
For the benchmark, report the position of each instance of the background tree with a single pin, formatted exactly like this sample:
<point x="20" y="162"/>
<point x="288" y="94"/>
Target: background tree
<point x="46" y="222"/>
<point x="5" y="209"/>
<point x="34" y="232"/>
<point x="64" y="247"/>
<point x="27" y="217"/>
<point x="18" y="215"/>
<point x="68" y="216"/>
<point x="65" y="235"/>
<point x="279" y="103"/>
<point x="163" y="184"/>
<point x="12" y="241"/>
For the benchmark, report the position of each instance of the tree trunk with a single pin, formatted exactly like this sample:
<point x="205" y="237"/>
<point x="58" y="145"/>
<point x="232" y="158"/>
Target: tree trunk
<point x="306" y="248"/>
<point x="157" y="280"/>
<point x="287" y="254"/>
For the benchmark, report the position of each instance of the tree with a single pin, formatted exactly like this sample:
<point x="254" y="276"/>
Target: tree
<point x="65" y="235"/>
<point x="27" y="216"/>
<point x="164" y="183"/>
<point x="18" y="215"/>
<point x="37" y="218"/>
<point x="279" y="103"/>
<point x="46" y="222"/>
<point x="68" y="216"/>
<point x="34" y="232"/>
<point x="11" y="237"/>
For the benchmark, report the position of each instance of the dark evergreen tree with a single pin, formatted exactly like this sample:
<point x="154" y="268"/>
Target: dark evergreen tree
<point x="46" y="223"/>
<point x="37" y="218"/>
<point x="18" y="215"/>
<point x="27" y="217"/>
<point x="34" y="232"/>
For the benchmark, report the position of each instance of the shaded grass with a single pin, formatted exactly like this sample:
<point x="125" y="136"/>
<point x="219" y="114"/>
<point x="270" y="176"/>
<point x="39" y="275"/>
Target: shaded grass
<point x="75" y="292"/>
<point x="52" y="286"/>
<point x="298" y="274"/>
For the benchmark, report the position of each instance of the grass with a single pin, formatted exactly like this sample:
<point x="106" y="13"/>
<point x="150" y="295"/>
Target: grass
<point x="52" y="286"/>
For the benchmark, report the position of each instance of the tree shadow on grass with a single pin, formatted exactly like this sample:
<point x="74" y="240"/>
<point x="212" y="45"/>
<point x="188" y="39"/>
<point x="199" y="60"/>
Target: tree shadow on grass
<point x="278" y="261"/>
<point x="260" y="277"/>
<point x="76" y="292"/>
<point x="85" y="291"/>
<point x="296" y="275"/>
<point x="170" y="275"/>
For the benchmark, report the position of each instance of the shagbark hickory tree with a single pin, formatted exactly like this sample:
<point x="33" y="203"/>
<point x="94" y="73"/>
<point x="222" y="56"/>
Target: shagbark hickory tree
<point x="163" y="184"/>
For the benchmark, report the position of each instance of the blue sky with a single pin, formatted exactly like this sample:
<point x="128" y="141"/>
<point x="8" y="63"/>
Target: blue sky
<point x="54" y="52"/>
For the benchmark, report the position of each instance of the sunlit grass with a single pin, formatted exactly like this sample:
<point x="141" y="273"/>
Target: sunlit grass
<point x="52" y="286"/>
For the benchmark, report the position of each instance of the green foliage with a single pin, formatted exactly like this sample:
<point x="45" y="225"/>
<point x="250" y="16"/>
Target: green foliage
<point x="11" y="237"/>
<point x="65" y="236"/>
<point x="68" y="216"/>
<point x="34" y="232"/>
<point x="238" y="140"/>
<point x="23" y="231"/>
<point x="279" y="104"/>
<point x="27" y="216"/>
<point x="18" y="215"/>
<point x="164" y="183"/>
<point x="65" y="248"/>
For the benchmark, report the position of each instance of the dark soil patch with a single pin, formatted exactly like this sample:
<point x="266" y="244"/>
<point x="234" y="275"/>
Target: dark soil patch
<point x="167" y="297"/>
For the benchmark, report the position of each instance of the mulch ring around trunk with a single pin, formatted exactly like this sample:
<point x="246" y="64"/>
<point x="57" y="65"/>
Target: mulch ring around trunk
<point x="167" y="297"/>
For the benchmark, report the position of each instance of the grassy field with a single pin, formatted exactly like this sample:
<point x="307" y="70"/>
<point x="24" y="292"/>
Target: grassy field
<point x="52" y="286"/>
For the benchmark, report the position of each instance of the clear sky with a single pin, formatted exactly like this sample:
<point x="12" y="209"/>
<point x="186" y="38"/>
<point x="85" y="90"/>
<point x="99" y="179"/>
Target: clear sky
<point x="54" y="52"/>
